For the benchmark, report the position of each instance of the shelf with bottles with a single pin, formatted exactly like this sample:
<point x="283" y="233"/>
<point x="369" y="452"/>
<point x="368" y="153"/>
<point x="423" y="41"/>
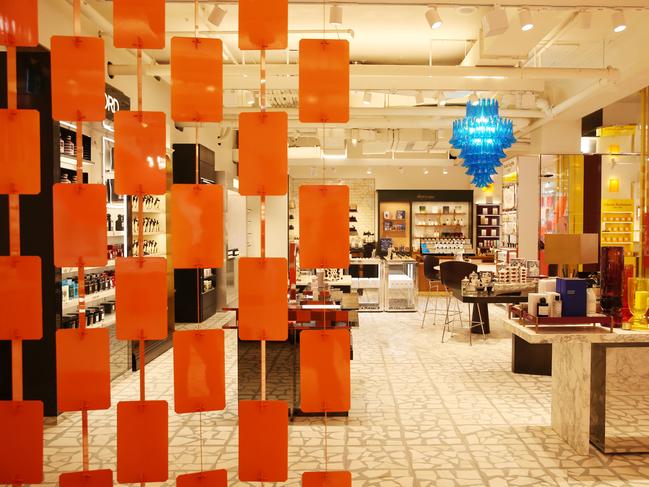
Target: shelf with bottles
<point x="617" y="225"/>
<point x="67" y="145"/>
<point x="151" y="248"/>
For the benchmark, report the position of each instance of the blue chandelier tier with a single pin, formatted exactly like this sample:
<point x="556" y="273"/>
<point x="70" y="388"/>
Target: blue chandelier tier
<point x="482" y="136"/>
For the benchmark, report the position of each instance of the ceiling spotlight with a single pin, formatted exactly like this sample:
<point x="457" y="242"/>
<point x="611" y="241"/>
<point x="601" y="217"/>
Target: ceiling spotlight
<point x="525" y="17"/>
<point x="367" y="98"/>
<point x="426" y="171"/>
<point x="473" y="99"/>
<point x="619" y="22"/>
<point x="216" y="15"/>
<point x="336" y="15"/>
<point x="495" y="22"/>
<point x="585" y="18"/>
<point x="445" y="171"/>
<point x="250" y="98"/>
<point x="441" y="99"/>
<point x="419" y="98"/>
<point x="433" y="18"/>
<point x="369" y="170"/>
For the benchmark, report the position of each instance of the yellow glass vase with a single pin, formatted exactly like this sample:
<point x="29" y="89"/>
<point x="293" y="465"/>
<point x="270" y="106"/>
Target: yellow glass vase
<point x="638" y="295"/>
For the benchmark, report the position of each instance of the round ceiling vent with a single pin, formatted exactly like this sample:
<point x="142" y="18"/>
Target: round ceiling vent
<point x="466" y="9"/>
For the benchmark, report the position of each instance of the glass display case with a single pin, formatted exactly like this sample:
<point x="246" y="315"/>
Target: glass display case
<point x="400" y="285"/>
<point x="366" y="281"/>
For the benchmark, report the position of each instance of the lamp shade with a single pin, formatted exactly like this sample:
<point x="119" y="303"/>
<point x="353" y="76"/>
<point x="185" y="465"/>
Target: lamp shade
<point x="572" y="248"/>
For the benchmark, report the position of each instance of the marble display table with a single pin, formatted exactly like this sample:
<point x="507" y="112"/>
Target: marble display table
<point x="592" y="369"/>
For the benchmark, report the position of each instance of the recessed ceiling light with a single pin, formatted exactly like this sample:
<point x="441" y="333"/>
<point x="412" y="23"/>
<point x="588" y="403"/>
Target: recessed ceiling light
<point x="426" y="171"/>
<point x="525" y="18"/>
<point x="619" y="22"/>
<point x="369" y="170"/>
<point x="466" y="9"/>
<point x="336" y="15"/>
<point x="419" y="98"/>
<point x="445" y="171"/>
<point x="216" y="15"/>
<point x="433" y="18"/>
<point x="367" y="98"/>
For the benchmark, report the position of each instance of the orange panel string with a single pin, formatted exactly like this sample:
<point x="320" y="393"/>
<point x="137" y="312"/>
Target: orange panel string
<point x="326" y="453"/>
<point x="76" y="17"/>
<point x="262" y="81"/>
<point x="14" y="225"/>
<point x="82" y="297"/>
<point x="139" y="79"/>
<point x="79" y="151"/>
<point x="142" y="390"/>
<point x="17" y="369"/>
<point x="12" y="79"/>
<point x="263" y="370"/>
<point x="196" y="158"/>
<point x="84" y="439"/>
<point x="140" y="226"/>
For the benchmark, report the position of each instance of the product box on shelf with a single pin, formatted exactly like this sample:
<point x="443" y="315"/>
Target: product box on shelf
<point x="573" y="296"/>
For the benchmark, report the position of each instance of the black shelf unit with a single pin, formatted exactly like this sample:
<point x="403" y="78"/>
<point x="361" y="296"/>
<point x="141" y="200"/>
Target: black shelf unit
<point x="196" y="289"/>
<point x="487" y="220"/>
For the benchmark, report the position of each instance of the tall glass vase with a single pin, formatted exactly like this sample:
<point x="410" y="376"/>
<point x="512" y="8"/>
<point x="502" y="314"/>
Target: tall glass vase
<point x="638" y="291"/>
<point x="611" y="271"/>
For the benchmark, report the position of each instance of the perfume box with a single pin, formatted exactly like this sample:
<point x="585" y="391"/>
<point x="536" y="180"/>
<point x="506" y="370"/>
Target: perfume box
<point x="573" y="296"/>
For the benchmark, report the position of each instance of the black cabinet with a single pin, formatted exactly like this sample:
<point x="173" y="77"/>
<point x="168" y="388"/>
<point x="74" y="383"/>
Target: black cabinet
<point x="196" y="293"/>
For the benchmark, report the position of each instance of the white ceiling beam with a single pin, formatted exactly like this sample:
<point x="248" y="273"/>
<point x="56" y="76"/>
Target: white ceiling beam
<point x="557" y="4"/>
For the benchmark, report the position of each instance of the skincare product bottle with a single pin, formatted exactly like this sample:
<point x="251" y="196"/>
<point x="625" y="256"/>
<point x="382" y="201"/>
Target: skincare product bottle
<point x="591" y="300"/>
<point x="543" y="309"/>
<point x="556" y="307"/>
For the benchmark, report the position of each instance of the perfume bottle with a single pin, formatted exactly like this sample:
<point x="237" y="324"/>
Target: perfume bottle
<point x="68" y="147"/>
<point x="119" y="224"/>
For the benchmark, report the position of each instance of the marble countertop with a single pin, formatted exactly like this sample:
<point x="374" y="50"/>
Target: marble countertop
<point x="574" y="334"/>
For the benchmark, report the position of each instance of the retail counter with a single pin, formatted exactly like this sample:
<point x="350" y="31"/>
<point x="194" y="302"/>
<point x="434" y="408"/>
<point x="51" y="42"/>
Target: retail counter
<point x="600" y="385"/>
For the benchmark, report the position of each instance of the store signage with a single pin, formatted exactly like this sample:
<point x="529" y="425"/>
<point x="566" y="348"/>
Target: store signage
<point x="115" y="100"/>
<point x="112" y="103"/>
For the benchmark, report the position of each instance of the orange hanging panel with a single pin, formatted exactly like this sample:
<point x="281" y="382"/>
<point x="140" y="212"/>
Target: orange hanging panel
<point x="196" y="80"/>
<point x="21" y="448"/>
<point x="21" y="312"/>
<point x="324" y="371"/>
<point x="209" y="478"/>
<point x="324" y="226"/>
<point x="327" y="479"/>
<point x="140" y="150"/>
<point x="139" y="24"/>
<point x="263" y="441"/>
<point x="263" y="25"/>
<point x="80" y="225"/>
<point x="83" y="369"/>
<point x="142" y="441"/>
<point x="263" y="299"/>
<point x="19" y="23"/>
<point x="324" y="81"/>
<point x="199" y="371"/>
<point x="197" y="226"/>
<point x="87" y="478"/>
<point x="141" y="294"/>
<point x="20" y="152"/>
<point x="78" y="81"/>
<point x="263" y="154"/>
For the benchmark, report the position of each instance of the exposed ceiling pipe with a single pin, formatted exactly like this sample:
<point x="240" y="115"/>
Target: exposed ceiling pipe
<point x="423" y="112"/>
<point x="334" y="32"/>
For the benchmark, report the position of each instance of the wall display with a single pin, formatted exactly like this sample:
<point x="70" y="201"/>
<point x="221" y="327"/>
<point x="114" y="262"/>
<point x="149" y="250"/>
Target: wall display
<point x="21" y="448"/>
<point x="20" y="298"/>
<point x="263" y="25"/>
<point x="196" y="79"/>
<point x="263" y="153"/>
<point x="199" y="371"/>
<point x="84" y="388"/>
<point x="139" y="24"/>
<point x="487" y="228"/>
<point x="142" y="446"/>
<point x="618" y="226"/>
<point x="324" y="81"/>
<point x="78" y="78"/>
<point x="324" y="231"/>
<point x="20" y="141"/>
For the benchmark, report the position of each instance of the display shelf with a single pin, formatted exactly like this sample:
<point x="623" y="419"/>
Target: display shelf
<point x="70" y="162"/>
<point x="617" y="228"/>
<point x="71" y="271"/>
<point x="438" y="221"/>
<point x="73" y="304"/>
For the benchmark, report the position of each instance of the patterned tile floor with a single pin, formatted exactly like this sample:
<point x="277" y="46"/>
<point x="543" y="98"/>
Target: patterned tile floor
<point x="423" y="414"/>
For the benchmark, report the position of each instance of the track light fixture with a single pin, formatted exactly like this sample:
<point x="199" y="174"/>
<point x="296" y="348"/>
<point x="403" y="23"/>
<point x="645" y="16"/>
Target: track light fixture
<point x="216" y="15"/>
<point x="336" y="15"/>
<point x="495" y="22"/>
<point x="619" y="22"/>
<point x="525" y="18"/>
<point x="367" y="98"/>
<point x="433" y="18"/>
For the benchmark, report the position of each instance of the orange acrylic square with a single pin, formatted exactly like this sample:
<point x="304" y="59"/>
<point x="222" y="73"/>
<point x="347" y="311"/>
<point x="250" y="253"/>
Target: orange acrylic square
<point x="199" y="371"/>
<point x="21" y="311"/>
<point x="20" y="152"/>
<point x="139" y="24"/>
<point x="19" y="23"/>
<point x="209" y="478"/>
<point x="324" y="371"/>
<point x="341" y="478"/>
<point x="83" y="369"/>
<point x="324" y="81"/>
<point x="140" y="153"/>
<point x="324" y="230"/>
<point x="263" y="153"/>
<point x="263" y="441"/>
<point x="196" y="80"/>
<point x="78" y="84"/>
<point x="197" y="226"/>
<point x="263" y="25"/>
<point x="80" y="225"/>
<point x="263" y="298"/>
<point x="141" y="291"/>
<point x="87" y="478"/>
<point x="142" y="441"/>
<point x="21" y="448"/>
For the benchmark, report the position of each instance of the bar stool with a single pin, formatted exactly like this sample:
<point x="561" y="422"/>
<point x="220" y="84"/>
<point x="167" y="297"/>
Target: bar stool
<point x="451" y="274"/>
<point x="434" y="284"/>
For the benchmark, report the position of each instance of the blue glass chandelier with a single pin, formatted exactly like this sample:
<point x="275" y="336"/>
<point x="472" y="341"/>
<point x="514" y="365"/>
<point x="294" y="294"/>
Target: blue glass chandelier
<point x="481" y="137"/>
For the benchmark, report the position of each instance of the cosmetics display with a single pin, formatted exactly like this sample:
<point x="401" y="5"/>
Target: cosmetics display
<point x="440" y="221"/>
<point x="618" y="225"/>
<point x="150" y="248"/>
<point x="487" y="228"/>
<point x="446" y="246"/>
<point x="150" y="225"/>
